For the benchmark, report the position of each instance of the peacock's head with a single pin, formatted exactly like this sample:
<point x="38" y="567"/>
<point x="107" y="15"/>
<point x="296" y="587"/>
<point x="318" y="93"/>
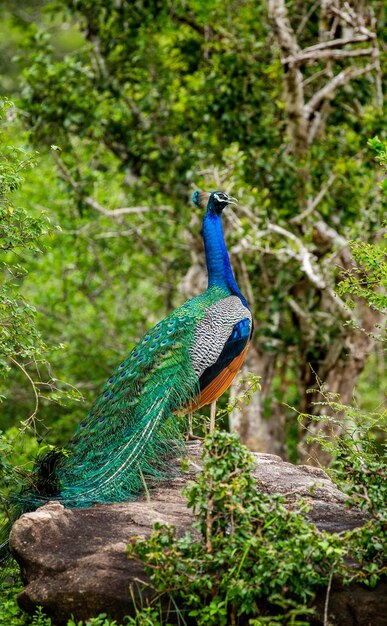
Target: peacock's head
<point x="214" y="202"/>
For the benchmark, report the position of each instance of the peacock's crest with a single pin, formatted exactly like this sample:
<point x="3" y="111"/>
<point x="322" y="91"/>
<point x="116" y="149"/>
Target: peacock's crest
<point x="200" y="199"/>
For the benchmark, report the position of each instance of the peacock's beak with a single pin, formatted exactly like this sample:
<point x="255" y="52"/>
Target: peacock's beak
<point x="231" y="200"/>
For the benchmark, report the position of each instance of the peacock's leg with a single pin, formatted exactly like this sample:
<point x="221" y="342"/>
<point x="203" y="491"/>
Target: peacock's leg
<point x="212" y="416"/>
<point x="190" y="428"/>
<point x="190" y="433"/>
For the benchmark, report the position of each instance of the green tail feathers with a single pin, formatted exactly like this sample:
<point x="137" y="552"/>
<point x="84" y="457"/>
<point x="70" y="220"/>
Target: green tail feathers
<point x="131" y="430"/>
<point x="114" y="470"/>
<point x="113" y="463"/>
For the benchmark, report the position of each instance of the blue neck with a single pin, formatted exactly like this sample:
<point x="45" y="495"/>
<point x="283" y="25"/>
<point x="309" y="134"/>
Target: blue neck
<point x="217" y="259"/>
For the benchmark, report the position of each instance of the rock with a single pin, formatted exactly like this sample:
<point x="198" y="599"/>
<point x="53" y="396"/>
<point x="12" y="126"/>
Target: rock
<point x="73" y="561"/>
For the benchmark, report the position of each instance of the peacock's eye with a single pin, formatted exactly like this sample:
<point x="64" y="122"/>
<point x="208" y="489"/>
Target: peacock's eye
<point x="221" y="197"/>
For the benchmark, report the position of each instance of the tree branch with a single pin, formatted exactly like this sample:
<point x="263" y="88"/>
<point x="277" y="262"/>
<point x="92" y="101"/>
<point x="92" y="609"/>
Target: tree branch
<point x="303" y="256"/>
<point x="321" y="54"/>
<point x="304" y="120"/>
<point x="30" y="421"/>
<point x="128" y="210"/>
<point x="284" y="32"/>
<point x="294" y="90"/>
<point x="352" y="19"/>
<point x="313" y="203"/>
<point x="338" y="81"/>
<point x="343" y="41"/>
<point x="114" y="213"/>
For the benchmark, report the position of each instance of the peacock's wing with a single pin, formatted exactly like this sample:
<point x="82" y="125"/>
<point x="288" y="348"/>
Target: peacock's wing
<point x="229" y="324"/>
<point x="222" y="332"/>
<point x="234" y="347"/>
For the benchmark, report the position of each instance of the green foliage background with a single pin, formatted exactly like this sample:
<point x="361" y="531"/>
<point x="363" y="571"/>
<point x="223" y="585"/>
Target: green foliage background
<point x="122" y="104"/>
<point x="129" y="105"/>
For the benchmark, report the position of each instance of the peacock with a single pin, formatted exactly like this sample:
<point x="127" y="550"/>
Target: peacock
<point x="185" y="362"/>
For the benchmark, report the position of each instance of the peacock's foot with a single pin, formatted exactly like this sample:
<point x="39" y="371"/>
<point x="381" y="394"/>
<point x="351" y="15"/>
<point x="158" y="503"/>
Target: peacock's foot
<point x="192" y="437"/>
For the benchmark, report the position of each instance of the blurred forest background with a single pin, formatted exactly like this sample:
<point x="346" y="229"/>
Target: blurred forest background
<point x="114" y="112"/>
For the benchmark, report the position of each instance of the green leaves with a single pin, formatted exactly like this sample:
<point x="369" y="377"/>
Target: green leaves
<point x="251" y="559"/>
<point x="367" y="279"/>
<point x="247" y="556"/>
<point x="359" y="469"/>
<point x="22" y="232"/>
<point x="19" y="337"/>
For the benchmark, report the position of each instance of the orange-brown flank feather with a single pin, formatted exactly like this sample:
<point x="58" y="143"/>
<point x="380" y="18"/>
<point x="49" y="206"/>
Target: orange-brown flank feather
<point x="222" y="382"/>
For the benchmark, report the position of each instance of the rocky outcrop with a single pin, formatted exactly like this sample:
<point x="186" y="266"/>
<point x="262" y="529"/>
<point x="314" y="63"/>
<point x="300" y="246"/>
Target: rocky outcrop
<point x="73" y="561"/>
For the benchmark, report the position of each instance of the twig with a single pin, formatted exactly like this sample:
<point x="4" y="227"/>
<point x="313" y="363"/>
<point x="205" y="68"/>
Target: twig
<point x="343" y="41"/>
<point x="133" y="210"/>
<point x="316" y="75"/>
<point x="326" y="623"/>
<point x="306" y="17"/>
<point x="320" y="54"/>
<point x="297" y="309"/>
<point x="350" y="20"/>
<point x="303" y="256"/>
<point x="31" y="419"/>
<point x="313" y="204"/>
<point x="340" y="79"/>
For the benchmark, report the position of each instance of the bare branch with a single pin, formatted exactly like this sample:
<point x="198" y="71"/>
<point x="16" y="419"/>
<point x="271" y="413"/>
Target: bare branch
<point x="313" y="204"/>
<point x="379" y="87"/>
<point x="326" y="604"/>
<point x="115" y="234"/>
<point x="352" y="19"/>
<point x="321" y="54"/>
<point x="323" y="49"/>
<point x="338" y="81"/>
<point x="330" y="234"/>
<point x="124" y="210"/>
<point x="301" y="313"/>
<point x="306" y="17"/>
<point x="294" y="91"/>
<point x="326" y="71"/>
<point x="284" y="32"/>
<point x="30" y="421"/>
<point x="305" y="119"/>
<point x="336" y="43"/>
<point x="303" y="256"/>
<point x="133" y="210"/>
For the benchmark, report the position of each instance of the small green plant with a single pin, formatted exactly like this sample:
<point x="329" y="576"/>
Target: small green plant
<point x="367" y="278"/>
<point x="10" y="613"/>
<point x="100" y="620"/>
<point x="148" y="616"/>
<point x="359" y="469"/>
<point x="40" y="619"/>
<point x="247" y="556"/>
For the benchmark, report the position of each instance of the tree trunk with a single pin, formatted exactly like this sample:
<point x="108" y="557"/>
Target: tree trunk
<point x="257" y="432"/>
<point x="338" y="375"/>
